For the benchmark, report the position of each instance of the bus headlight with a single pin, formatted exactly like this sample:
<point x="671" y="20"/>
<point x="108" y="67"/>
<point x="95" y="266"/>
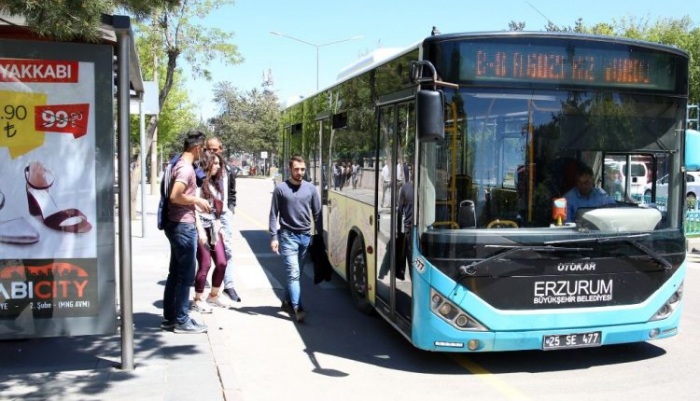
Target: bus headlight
<point x="452" y="314"/>
<point x="667" y="309"/>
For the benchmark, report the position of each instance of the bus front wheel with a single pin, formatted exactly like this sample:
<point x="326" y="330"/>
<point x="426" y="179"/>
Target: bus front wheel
<point x="357" y="278"/>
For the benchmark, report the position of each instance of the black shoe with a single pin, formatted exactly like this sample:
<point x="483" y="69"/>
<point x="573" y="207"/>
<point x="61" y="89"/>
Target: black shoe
<point x="190" y="327"/>
<point x="168" y="325"/>
<point x="300" y="314"/>
<point x="232" y="294"/>
<point x="287" y="307"/>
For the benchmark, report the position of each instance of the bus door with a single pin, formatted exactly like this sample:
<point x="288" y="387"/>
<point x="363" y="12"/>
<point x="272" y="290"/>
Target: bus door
<point x="323" y="129"/>
<point x="394" y="287"/>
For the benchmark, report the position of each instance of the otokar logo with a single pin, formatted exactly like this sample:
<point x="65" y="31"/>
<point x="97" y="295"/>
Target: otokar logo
<point x="572" y="291"/>
<point x="576" y="267"/>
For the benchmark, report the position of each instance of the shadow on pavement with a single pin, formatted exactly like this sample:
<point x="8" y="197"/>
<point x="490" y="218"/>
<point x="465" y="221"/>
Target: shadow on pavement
<point x="88" y="364"/>
<point x="334" y="327"/>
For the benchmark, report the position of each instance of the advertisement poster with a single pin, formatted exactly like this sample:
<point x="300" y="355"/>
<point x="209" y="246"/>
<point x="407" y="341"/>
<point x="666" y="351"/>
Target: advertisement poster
<point x="48" y="288"/>
<point x="49" y="224"/>
<point x="46" y="136"/>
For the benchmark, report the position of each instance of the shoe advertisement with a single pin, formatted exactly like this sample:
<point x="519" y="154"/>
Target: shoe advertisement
<point x="56" y="174"/>
<point x="47" y="141"/>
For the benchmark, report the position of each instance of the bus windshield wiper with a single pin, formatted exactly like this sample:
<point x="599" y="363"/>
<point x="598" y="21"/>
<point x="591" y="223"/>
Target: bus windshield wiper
<point x="470" y="270"/>
<point x="630" y="239"/>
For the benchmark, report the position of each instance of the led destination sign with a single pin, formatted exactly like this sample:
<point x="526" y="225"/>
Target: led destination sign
<point x="567" y="65"/>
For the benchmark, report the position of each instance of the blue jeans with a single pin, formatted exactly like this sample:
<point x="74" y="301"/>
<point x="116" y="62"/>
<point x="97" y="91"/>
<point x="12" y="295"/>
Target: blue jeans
<point x="293" y="247"/>
<point x="227" y="224"/>
<point x="183" y="252"/>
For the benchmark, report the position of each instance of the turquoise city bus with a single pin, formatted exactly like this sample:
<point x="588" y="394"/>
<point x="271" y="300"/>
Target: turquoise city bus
<point x="442" y="168"/>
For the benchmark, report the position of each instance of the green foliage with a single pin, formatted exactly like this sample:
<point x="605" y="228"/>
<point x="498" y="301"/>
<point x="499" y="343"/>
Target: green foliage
<point x="75" y="19"/>
<point x="248" y="121"/>
<point x="680" y="33"/>
<point x="177" y="114"/>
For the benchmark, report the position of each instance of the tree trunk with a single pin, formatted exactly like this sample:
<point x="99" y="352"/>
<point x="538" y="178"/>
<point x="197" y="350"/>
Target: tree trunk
<point x="135" y="178"/>
<point x="154" y="163"/>
<point x="151" y="127"/>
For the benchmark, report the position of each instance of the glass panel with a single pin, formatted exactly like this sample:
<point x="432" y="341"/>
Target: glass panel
<point x="406" y="143"/>
<point x="386" y="141"/>
<point x="508" y="155"/>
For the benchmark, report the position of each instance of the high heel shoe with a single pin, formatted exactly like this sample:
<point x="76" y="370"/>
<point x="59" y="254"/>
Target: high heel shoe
<point x="39" y="180"/>
<point x="16" y="231"/>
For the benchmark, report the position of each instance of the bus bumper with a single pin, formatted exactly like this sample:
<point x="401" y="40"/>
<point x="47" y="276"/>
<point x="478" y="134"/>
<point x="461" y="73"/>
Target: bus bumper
<point x="444" y="338"/>
<point x="433" y="333"/>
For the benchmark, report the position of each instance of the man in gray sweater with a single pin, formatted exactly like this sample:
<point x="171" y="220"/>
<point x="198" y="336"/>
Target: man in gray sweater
<point x="294" y="203"/>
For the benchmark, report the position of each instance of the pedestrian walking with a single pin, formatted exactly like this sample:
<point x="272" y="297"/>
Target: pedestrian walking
<point x="229" y="192"/>
<point x="180" y="229"/>
<point x="295" y="203"/>
<point x="210" y="235"/>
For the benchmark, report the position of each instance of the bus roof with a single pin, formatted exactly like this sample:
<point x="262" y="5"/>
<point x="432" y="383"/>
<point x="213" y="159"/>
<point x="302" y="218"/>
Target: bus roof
<point x="382" y="56"/>
<point x="359" y="66"/>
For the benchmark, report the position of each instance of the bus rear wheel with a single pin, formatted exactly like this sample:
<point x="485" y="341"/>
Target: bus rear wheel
<point x="357" y="278"/>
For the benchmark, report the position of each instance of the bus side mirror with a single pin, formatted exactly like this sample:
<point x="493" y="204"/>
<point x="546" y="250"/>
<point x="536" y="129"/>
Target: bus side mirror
<point x="430" y="115"/>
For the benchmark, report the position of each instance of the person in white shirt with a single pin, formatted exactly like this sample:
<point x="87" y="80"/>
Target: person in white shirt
<point x="386" y="179"/>
<point x="355" y="174"/>
<point x="399" y="176"/>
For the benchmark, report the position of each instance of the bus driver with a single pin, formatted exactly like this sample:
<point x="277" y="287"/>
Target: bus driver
<point x="584" y="194"/>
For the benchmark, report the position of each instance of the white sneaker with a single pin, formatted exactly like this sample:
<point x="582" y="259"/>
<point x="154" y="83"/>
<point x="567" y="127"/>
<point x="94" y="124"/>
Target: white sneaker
<point x="218" y="301"/>
<point x="201" y="306"/>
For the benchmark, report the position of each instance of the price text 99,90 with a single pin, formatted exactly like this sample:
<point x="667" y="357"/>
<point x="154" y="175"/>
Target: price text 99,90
<point x="60" y="118"/>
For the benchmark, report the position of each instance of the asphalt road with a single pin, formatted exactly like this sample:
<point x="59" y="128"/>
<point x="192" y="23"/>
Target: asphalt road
<point x="341" y="354"/>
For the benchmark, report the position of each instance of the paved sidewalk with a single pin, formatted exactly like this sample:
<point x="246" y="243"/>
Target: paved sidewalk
<point x="168" y="366"/>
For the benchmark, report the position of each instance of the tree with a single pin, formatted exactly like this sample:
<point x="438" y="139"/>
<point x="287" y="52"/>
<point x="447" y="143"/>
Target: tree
<point x="675" y="32"/>
<point x="76" y="19"/>
<point x="248" y="121"/>
<point x="177" y="35"/>
<point x="177" y="114"/>
<point x="175" y="32"/>
<point x="516" y="26"/>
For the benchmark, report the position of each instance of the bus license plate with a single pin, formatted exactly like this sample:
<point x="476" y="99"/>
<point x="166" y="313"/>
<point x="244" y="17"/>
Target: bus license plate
<point x="577" y="340"/>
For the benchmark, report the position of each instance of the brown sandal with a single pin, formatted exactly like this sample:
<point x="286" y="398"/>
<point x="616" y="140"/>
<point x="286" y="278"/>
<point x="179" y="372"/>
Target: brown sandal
<point x="39" y="180"/>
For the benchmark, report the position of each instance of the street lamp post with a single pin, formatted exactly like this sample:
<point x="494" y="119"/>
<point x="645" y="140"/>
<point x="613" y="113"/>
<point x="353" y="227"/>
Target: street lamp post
<point x="318" y="47"/>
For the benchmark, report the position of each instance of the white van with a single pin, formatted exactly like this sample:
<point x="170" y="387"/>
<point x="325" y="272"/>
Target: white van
<point x="637" y="175"/>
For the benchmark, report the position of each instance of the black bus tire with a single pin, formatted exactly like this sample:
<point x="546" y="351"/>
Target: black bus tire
<point x="357" y="278"/>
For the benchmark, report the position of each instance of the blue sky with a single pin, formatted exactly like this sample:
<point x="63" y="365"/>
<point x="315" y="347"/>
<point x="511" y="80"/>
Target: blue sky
<point x="381" y="23"/>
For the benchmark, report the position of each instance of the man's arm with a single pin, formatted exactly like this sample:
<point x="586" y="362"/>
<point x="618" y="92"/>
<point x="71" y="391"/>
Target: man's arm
<point x="178" y="197"/>
<point x="571" y="206"/>
<point x="274" y="243"/>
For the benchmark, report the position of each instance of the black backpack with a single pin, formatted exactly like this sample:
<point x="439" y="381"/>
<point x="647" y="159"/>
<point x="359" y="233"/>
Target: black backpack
<point x="165" y="194"/>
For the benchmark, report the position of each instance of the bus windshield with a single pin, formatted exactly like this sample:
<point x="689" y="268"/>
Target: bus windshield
<point x="509" y="158"/>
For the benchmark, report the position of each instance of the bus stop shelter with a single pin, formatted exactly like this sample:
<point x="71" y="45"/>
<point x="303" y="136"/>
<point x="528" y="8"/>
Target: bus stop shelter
<point x="59" y="135"/>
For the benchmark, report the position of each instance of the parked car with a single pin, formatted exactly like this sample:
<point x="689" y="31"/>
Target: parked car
<point x="692" y="179"/>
